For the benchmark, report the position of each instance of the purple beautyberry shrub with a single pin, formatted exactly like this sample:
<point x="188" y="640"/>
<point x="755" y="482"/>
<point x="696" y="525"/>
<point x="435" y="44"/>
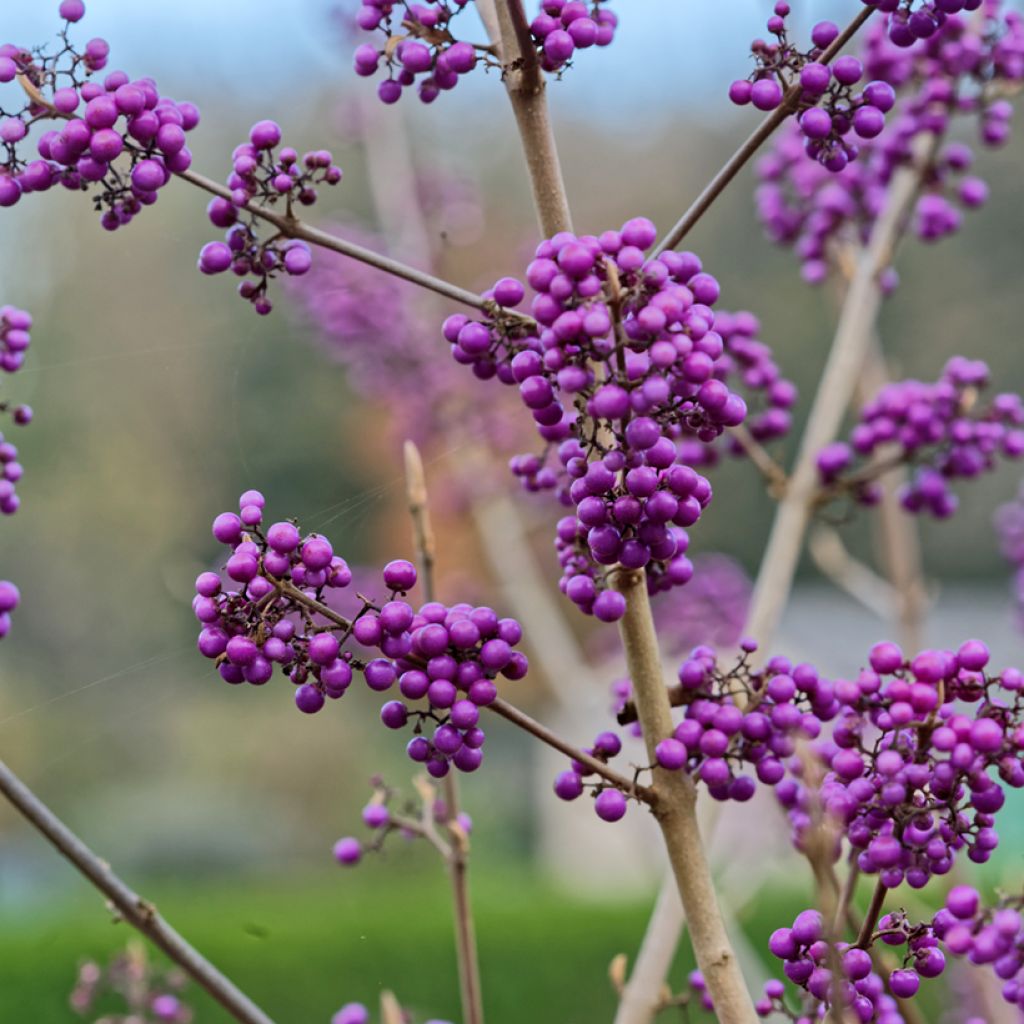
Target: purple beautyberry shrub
<point x="735" y="727"/>
<point x="833" y="109"/>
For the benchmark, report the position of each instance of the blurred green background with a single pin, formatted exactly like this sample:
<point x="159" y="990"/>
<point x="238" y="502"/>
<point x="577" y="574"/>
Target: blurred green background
<point x="159" y="397"/>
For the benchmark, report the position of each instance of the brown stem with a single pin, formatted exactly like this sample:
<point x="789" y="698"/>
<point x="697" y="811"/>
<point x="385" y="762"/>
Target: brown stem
<point x="524" y="82"/>
<point x="136" y="910"/>
<point x="842" y="370"/>
<point x="758" y="137"/>
<point x="675" y="810"/>
<point x="871" y="917"/>
<point x="457" y="859"/>
<point x="545" y="735"/>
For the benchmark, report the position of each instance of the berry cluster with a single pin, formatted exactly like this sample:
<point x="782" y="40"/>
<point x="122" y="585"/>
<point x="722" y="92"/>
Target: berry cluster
<point x="9" y="598"/>
<point x="833" y="107"/>
<point x="986" y="936"/>
<point x="618" y="365"/>
<point x="960" y="70"/>
<point x="261" y="177"/>
<point x="418" y="45"/>
<point x="121" y="137"/>
<point x="732" y="721"/>
<point x="148" y="995"/>
<point x="446" y="656"/>
<point x="908" y="770"/>
<point x="810" y="962"/>
<point x="14" y="342"/>
<point x="936" y="427"/>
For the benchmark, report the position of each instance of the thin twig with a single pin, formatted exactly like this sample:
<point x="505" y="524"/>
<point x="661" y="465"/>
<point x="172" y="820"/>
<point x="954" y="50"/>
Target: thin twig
<point x="132" y="907"/>
<point x="758" y="137"/>
<point x="457" y="858"/>
<point x="762" y="459"/>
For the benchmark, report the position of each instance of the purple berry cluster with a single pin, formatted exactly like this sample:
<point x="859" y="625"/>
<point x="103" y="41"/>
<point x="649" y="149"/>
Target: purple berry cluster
<point x="810" y="962"/>
<point x="617" y="367"/>
<point x="958" y="71"/>
<point x="262" y="176"/>
<point x="273" y="612"/>
<point x="121" y="138"/>
<point x="147" y="994"/>
<point x="987" y="936"/>
<point x="916" y="764"/>
<point x="746" y="360"/>
<point x="834" y="108"/>
<point x="417" y="46"/>
<point x="733" y="722"/>
<point x="15" y="325"/>
<point x="938" y="428"/>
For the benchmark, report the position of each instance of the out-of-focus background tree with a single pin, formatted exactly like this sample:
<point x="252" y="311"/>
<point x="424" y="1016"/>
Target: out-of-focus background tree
<point x="159" y="397"/>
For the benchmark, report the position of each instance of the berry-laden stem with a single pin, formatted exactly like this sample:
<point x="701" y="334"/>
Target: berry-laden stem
<point x="675" y="809"/>
<point x="835" y="390"/>
<point x="132" y="907"/>
<point x="757" y="138"/>
<point x="293" y="228"/>
<point x="524" y="82"/>
<point x="457" y="858"/>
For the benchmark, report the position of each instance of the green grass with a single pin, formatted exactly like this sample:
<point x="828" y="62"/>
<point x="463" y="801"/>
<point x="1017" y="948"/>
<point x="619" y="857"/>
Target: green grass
<point x="302" y="948"/>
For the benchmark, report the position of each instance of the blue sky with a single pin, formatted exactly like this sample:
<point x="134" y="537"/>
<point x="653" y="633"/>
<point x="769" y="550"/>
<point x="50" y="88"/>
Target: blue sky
<point x="667" y="50"/>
